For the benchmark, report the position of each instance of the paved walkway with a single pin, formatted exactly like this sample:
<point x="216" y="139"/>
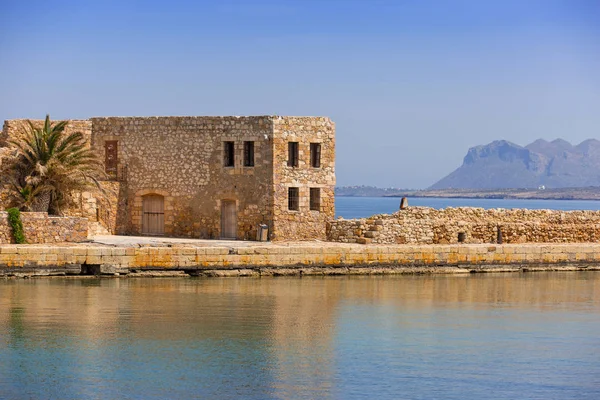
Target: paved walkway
<point x="136" y="241"/>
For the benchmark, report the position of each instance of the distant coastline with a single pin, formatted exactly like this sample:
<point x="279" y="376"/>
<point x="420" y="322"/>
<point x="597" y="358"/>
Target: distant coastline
<point x="585" y="193"/>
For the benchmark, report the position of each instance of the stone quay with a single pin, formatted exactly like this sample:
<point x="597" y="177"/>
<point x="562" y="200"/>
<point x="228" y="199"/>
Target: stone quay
<point x="229" y="258"/>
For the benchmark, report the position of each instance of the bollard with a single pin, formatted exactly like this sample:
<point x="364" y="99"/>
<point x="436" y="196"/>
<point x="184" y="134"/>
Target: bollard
<point x="403" y="203"/>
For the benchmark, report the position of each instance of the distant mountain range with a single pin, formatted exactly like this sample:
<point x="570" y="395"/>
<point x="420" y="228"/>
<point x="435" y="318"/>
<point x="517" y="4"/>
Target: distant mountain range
<point x="502" y="164"/>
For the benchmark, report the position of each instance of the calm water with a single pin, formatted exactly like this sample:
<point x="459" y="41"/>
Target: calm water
<point x="360" y="207"/>
<point x="515" y="336"/>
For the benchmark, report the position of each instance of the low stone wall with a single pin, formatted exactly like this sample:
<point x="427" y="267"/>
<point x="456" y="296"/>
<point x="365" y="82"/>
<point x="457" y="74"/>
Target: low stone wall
<point x="472" y="225"/>
<point x="296" y="259"/>
<point x="41" y="228"/>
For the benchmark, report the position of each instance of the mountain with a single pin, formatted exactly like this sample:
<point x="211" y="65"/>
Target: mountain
<point x="502" y="164"/>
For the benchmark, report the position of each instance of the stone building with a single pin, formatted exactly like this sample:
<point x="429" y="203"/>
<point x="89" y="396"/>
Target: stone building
<point x="213" y="177"/>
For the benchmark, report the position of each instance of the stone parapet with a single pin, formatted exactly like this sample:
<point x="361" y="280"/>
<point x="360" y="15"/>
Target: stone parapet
<point x="41" y="228"/>
<point x="423" y="225"/>
<point x="315" y="259"/>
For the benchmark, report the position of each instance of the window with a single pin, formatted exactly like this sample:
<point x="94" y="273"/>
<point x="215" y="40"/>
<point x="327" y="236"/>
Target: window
<point x="315" y="155"/>
<point x="228" y="154"/>
<point x="248" y="154"/>
<point x="293" y="198"/>
<point x="110" y="157"/>
<point x="292" y="154"/>
<point x="315" y="199"/>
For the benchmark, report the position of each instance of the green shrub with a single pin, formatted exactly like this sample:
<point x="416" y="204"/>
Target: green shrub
<point x="14" y="219"/>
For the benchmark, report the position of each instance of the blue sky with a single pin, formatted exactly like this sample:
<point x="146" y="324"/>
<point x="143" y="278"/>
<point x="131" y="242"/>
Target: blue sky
<point x="411" y="85"/>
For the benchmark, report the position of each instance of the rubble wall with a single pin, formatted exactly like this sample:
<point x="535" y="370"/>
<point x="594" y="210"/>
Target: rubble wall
<point x="423" y="225"/>
<point x="41" y="228"/>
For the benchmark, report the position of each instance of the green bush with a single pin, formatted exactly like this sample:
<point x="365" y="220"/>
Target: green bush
<point x="14" y="219"/>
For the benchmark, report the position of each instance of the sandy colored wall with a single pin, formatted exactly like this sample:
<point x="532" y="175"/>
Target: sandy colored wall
<point x="423" y="225"/>
<point x="305" y="259"/>
<point x="40" y="228"/>
<point x="303" y="224"/>
<point x="181" y="158"/>
<point x="16" y="127"/>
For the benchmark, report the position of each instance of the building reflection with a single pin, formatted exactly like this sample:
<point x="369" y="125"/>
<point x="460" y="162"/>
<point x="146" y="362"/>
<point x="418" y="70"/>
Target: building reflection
<point x="268" y="332"/>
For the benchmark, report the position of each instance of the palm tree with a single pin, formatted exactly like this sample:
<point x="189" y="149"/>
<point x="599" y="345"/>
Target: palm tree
<point x="50" y="165"/>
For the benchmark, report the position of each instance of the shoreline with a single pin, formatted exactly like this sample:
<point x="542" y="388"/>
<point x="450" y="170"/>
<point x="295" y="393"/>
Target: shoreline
<point x="563" y="194"/>
<point x="292" y="259"/>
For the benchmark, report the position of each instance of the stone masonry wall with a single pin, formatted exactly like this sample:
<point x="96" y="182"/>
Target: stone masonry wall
<point x="422" y="225"/>
<point x="304" y="223"/>
<point x="182" y="159"/>
<point x="100" y="208"/>
<point x="16" y="127"/>
<point x="298" y="259"/>
<point x="41" y="228"/>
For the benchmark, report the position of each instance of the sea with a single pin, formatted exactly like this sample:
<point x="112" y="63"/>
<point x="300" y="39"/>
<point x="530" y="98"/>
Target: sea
<point x="474" y="336"/>
<point x="361" y="207"/>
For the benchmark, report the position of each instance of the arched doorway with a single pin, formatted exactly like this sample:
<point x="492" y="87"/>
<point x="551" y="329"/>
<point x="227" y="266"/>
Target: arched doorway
<point x="228" y="219"/>
<point x="153" y="214"/>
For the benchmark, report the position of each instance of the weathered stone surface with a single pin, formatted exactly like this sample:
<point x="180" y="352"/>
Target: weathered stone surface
<point x="304" y="223"/>
<point x="182" y="160"/>
<point x="41" y="228"/>
<point x="422" y="225"/>
<point x="297" y="259"/>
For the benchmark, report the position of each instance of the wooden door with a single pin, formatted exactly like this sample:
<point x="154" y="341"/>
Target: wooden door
<point x="228" y="220"/>
<point x="153" y="215"/>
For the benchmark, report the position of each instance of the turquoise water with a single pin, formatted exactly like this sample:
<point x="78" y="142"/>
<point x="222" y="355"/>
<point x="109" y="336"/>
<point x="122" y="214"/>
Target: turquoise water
<point x="360" y="207"/>
<point x="500" y="336"/>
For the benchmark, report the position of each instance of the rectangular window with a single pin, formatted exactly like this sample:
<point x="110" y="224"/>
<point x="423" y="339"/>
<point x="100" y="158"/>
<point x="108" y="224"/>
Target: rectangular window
<point x="248" y="154"/>
<point x="228" y="154"/>
<point x="292" y="154"/>
<point x="315" y="199"/>
<point x="315" y="155"/>
<point x="293" y="198"/>
<point x="110" y="157"/>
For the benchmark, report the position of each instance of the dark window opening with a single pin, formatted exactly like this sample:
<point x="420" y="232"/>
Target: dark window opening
<point x="228" y="154"/>
<point x="293" y="198"/>
<point x="248" y="154"/>
<point x="315" y="199"/>
<point x="110" y="157"/>
<point x="315" y="155"/>
<point x="292" y="154"/>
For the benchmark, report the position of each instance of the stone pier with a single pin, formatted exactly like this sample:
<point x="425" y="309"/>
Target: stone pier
<point x="314" y="258"/>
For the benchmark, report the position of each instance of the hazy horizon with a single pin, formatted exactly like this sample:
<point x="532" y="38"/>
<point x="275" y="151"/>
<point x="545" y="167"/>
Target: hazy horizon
<point x="410" y="85"/>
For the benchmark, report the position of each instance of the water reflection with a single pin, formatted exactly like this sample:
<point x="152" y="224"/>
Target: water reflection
<point x="420" y="336"/>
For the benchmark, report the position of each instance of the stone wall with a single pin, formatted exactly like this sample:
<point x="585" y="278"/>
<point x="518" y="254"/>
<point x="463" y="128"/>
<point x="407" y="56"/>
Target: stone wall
<point x="298" y="259"/>
<point x="100" y="208"/>
<point x="424" y="225"/>
<point x="16" y="127"/>
<point x="304" y="223"/>
<point x="182" y="160"/>
<point x="41" y="228"/>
